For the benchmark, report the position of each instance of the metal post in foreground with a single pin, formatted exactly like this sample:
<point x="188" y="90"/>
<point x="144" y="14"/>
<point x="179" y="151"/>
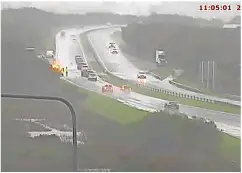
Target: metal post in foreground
<point x="208" y="76"/>
<point x="213" y="75"/>
<point x="75" y="168"/>
<point x="202" y="72"/>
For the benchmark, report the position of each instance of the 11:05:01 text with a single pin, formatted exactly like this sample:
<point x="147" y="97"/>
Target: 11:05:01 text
<point x="218" y="7"/>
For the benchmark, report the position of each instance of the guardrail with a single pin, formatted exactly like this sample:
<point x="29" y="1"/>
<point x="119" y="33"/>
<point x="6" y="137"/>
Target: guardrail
<point x="165" y="91"/>
<point x="155" y="76"/>
<point x="193" y="90"/>
<point x="176" y="94"/>
<point x="185" y="87"/>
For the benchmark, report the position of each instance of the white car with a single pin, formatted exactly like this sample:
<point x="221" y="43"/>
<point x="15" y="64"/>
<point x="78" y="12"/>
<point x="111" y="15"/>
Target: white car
<point x="73" y="37"/>
<point x="141" y="75"/>
<point x="30" y="48"/>
<point x="92" y="77"/>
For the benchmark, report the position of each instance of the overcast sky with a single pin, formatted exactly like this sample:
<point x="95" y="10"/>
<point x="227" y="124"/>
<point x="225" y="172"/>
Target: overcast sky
<point x="132" y="7"/>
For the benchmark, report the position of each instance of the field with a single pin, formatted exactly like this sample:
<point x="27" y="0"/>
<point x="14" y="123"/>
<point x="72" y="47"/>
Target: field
<point x="228" y="146"/>
<point x="21" y="153"/>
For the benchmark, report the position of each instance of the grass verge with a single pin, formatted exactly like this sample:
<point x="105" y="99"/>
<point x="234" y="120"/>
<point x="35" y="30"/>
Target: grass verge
<point x="163" y="72"/>
<point x="46" y="154"/>
<point x="213" y="106"/>
<point x="183" y="81"/>
<point x="108" y="107"/>
<point x="229" y="146"/>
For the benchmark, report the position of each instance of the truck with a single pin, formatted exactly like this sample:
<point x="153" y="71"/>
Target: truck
<point x="171" y="107"/>
<point x="79" y="59"/>
<point x="50" y="54"/>
<point x="160" y="58"/>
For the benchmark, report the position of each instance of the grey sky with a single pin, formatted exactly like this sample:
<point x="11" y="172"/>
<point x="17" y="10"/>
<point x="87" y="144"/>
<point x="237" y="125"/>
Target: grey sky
<point x="132" y="7"/>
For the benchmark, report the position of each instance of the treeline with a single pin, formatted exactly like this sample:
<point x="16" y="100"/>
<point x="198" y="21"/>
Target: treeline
<point x="180" y="36"/>
<point x="33" y="24"/>
<point x="30" y="20"/>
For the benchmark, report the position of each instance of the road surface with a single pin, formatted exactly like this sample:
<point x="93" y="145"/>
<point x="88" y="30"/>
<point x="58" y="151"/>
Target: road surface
<point x="120" y="66"/>
<point x="68" y="48"/>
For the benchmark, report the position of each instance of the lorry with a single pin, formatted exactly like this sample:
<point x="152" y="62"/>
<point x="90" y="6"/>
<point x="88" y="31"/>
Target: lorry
<point x="160" y="58"/>
<point x="171" y="107"/>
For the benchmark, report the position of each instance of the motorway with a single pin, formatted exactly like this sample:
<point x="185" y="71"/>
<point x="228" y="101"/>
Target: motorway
<point x="120" y="66"/>
<point x="66" y="49"/>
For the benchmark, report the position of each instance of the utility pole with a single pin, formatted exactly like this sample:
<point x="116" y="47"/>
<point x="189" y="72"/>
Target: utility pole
<point x="202" y="71"/>
<point x="208" y="76"/>
<point x="213" y="74"/>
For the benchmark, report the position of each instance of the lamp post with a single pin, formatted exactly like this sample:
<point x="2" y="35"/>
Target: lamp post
<point x="73" y="114"/>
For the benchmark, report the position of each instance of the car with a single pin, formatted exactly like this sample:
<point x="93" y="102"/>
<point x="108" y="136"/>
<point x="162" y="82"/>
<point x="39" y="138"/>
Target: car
<point x="92" y="77"/>
<point x="89" y="70"/>
<point x="30" y="48"/>
<point x="80" y="65"/>
<point x="84" y="66"/>
<point x="172" y="105"/>
<point x="50" y="54"/>
<point x="73" y="37"/>
<point x="142" y="79"/>
<point x="142" y="76"/>
<point x="84" y="71"/>
<point x="111" y="45"/>
<point x="107" y="88"/>
<point x="125" y="88"/>
<point x="79" y="59"/>
<point x="141" y="73"/>
<point x="114" y="51"/>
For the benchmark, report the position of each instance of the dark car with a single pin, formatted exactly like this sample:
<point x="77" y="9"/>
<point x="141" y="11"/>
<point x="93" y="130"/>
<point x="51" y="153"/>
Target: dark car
<point x="114" y="51"/>
<point x="111" y="45"/>
<point x="84" y="71"/>
<point x="79" y="59"/>
<point x="172" y="105"/>
<point x="80" y="65"/>
<point x="90" y="71"/>
<point x="142" y="76"/>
